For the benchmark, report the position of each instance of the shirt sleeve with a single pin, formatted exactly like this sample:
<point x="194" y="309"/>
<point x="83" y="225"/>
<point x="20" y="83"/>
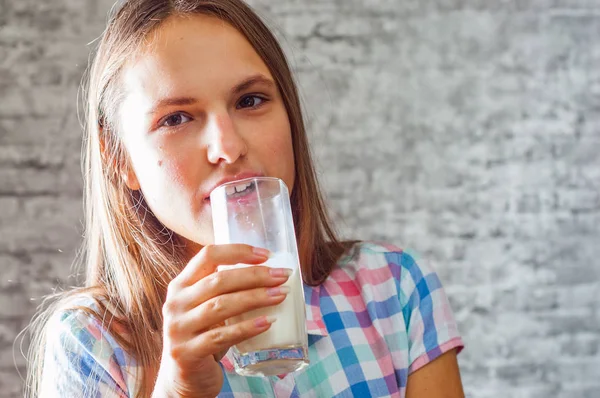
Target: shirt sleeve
<point x="78" y="359"/>
<point x="430" y="322"/>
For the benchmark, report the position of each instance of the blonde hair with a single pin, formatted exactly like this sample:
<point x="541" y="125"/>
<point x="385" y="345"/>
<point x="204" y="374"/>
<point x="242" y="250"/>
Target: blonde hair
<point x="129" y="257"/>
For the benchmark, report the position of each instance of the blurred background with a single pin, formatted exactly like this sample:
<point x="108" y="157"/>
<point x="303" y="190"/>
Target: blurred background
<point x="467" y="131"/>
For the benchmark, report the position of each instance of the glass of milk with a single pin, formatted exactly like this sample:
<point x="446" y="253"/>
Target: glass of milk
<point x="256" y="211"/>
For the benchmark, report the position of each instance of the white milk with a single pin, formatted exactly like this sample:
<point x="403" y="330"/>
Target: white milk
<point x="289" y="330"/>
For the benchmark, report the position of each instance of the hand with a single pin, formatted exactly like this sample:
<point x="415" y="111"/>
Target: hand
<point x="199" y="300"/>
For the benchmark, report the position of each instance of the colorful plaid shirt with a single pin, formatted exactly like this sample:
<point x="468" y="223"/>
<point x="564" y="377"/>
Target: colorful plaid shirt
<point x="376" y="319"/>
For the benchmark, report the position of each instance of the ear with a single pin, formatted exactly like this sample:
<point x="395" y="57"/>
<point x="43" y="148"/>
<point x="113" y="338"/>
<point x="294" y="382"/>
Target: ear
<point x="130" y="178"/>
<point x="122" y="168"/>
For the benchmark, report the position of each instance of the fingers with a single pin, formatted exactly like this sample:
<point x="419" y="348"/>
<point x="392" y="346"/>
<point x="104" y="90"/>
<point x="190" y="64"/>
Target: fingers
<point x="220" y="339"/>
<point x="223" y="307"/>
<point x="199" y="300"/>
<point x="211" y="256"/>
<point x="230" y="281"/>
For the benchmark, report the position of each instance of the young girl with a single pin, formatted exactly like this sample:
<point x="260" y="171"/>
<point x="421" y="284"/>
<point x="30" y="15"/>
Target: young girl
<point x="182" y="96"/>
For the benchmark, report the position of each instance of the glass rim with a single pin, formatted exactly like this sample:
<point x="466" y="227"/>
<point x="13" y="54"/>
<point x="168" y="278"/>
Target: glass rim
<point x="237" y="182"/>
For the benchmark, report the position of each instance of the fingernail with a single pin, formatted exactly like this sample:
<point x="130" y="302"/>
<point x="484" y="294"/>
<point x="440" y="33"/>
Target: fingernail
<point x="280" y="272"/>
<point x="259" y="251"/>
<point x="278" y="291"/>
<point x="264" y="321"/>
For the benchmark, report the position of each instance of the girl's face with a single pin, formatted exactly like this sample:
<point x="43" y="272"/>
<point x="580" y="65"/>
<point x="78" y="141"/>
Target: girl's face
<point x="200" y="107"/>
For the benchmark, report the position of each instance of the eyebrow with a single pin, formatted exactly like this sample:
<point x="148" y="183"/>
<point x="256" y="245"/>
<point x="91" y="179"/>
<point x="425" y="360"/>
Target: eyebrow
<point x="251" y="81"/>
<point x="239" y="88"/>
<point x="175" y="101"/>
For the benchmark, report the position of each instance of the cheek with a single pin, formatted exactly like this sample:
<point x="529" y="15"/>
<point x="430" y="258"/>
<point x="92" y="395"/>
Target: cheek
<point x="278" y="157"/>
<point x="274" y="146"/>
<point x="172" y="171"/>
<point x="283" y="150"/>
<point x="158" y="171"/>
<point x="280" y="140"/>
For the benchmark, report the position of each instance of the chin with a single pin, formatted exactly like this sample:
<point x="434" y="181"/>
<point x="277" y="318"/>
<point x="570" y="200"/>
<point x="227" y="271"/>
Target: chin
<point x="201" y="240"/>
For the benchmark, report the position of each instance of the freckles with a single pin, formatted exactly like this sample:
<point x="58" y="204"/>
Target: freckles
<point x="160" y="162"/>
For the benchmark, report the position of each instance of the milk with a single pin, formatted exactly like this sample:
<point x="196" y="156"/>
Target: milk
<point x="289" y="329"/>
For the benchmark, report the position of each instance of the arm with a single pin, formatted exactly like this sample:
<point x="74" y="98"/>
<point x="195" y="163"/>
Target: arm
<point x="438" y="379"/>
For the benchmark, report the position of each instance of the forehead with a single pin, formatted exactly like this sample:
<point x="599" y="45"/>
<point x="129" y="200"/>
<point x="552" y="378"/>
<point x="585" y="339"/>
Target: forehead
<point x="193" y="54"/>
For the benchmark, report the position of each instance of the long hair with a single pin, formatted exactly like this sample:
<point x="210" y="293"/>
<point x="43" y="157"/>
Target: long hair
<point x="128" y="256"/>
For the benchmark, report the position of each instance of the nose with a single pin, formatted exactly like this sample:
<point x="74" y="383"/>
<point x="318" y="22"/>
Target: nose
<point x="225" y="143"/>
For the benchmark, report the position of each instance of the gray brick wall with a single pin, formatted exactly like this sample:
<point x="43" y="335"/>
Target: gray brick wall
<point x="464" y="130"/>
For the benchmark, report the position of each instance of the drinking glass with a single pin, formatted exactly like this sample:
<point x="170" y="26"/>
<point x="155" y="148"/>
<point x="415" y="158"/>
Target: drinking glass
<point x="256" y="211"/>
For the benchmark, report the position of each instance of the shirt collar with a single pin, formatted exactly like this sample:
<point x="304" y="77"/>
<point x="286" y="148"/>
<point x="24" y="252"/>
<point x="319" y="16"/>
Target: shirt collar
<point x="314" y="320"/>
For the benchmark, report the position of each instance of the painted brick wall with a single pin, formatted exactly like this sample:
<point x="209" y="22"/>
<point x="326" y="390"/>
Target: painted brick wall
<point x="467" y="131"/>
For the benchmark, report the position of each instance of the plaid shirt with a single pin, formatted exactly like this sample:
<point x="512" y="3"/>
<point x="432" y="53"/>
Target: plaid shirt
<point x="377" y="318"/>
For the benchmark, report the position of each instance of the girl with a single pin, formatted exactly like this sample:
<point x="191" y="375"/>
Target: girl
<point x="182" y="96"/>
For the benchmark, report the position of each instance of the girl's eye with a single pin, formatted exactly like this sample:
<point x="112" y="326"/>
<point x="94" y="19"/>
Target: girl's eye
<point x="175" y="120"/>
<point x="250" y="101"/>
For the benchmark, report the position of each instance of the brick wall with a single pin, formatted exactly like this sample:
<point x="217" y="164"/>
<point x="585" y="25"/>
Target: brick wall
<point x="464" y="130"/>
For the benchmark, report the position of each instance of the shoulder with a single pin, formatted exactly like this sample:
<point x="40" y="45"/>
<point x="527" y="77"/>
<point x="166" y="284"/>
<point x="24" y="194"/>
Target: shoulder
<point x="73" y="316"/>
<point x="73" y="312"/>
<point x="80" y="325"/>
<point x="373" y="257"/>
<point x="91" y="321"/>
<point x="388" y="267"/>
<point x="397" y="284"/>
<point x="81" y="348"/>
